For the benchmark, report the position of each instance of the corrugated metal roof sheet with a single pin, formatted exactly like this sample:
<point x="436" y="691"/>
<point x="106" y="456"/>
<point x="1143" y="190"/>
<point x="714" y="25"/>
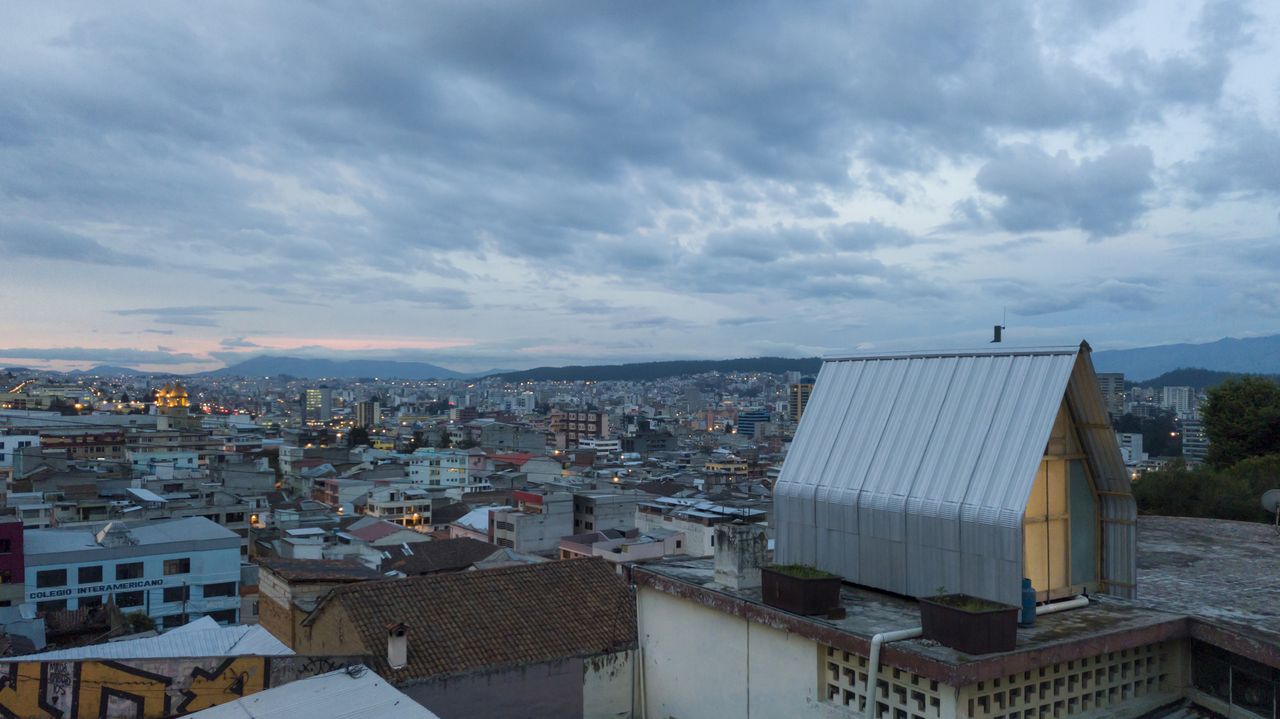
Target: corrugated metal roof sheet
<point x="201" y="638"/>
<point x="337" y="695"/>
<point x="911" y="471"/>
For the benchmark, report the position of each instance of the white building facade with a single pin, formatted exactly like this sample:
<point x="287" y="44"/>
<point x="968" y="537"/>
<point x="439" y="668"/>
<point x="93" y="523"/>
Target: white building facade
<point x="173" y="571"/>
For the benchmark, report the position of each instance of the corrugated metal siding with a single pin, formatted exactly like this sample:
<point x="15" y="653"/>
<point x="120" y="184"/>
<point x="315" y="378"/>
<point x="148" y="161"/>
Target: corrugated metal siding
<point x="911" y="472"/>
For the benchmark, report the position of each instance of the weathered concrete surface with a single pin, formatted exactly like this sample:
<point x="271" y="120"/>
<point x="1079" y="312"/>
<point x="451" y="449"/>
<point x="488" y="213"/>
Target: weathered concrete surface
<point x="1221" y="571"/>
<point x="1216" y="581"/>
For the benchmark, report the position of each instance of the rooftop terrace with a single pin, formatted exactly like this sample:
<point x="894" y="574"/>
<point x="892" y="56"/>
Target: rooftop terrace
<point x="1213" y="580"/>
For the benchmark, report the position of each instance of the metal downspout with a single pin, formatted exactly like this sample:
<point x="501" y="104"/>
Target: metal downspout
<point x="873" y="661"/>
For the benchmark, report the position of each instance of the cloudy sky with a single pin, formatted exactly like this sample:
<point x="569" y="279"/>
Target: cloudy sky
<point x="518" y="184"/>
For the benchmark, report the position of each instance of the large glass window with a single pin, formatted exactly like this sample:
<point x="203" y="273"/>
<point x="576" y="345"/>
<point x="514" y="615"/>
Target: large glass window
<point x="51" y="578"/>
<point x="226" y="616"/>
<point x="1060" y="526"/>
<point x="90" y="575"/>
<point x="129" y="599"/>
<point x="51" y="605"/>
<point x="177" y="566"/>
<point x="225" y="589"/>
<point x="131" y="570"/>
<point x="175" y="594"/>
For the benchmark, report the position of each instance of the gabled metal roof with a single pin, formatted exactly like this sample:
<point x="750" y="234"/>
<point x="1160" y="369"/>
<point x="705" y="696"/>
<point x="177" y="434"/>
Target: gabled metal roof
<point x="910" y="472"/>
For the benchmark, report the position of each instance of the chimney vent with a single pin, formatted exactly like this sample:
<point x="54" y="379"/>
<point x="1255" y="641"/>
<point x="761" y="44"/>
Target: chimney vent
<point x="398" y="645"/>
<point x="740" y="553"/>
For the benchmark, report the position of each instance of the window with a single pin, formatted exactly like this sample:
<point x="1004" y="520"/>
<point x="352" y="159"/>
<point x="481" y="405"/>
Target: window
<point x="679" y="544"/>
<point x="173" y="620"/>
<point x="176" y="594"/>
<point x="177" y="566"/>
<point x="51" y="605"/>
<point x="225" y="589"/>
<point x="90" y="575"/>
<point x="51" y="578"/>
<point x="5" y="546"/>
<point x="588" y="525"/>
<point x="6" y="576"/>
<point x="233" y="517"/>
<point x="131" y="570"/>
<point x="92" y="601"/>
<point x="226" y="616"/>
<point x="129" y="599"/>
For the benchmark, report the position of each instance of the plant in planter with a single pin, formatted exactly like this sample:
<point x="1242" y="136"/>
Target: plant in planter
<point x="969" y="624"/>
<point x="800" y="588"/>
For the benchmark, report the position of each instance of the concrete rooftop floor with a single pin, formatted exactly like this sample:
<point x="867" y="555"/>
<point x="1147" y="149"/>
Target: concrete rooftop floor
<point x="1226" y="573"/>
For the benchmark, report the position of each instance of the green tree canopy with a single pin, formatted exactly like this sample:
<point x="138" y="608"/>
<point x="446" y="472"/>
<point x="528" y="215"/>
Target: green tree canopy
<point x="1242" y="420"/>
<point x="357" y="437"/>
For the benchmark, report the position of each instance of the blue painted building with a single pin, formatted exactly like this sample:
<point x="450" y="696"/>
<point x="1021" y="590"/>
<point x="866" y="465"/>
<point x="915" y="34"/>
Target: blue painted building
<point x="173" y="570"/>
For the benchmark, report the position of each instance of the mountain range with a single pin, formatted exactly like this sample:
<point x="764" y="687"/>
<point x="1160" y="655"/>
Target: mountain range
<point x="1248" y="355"/>
<point x="1142" y="365"/>
<point x="268" y="366"/>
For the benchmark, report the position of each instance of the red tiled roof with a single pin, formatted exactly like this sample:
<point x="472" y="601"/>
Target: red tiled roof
<point x="443" y="556"/>
<point x="319" y="570"/>
<point x="464" y="621"/>
<point x="516" y="458"/>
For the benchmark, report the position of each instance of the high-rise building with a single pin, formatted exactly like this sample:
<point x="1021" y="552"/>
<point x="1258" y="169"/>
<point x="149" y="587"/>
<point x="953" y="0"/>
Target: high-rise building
<point x="1195" y="443"/>
<point x="1112" y="386"/>
<point x="798" y="396"/>
<point x="1179" y="399"/>
<point x="368" y="413"/>
<point x="748" y="420"/>
<point x="317" y="405"/>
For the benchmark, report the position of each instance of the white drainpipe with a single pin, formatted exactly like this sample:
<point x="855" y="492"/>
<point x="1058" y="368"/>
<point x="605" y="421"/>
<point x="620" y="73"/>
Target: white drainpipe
<point x="1074" y="603"/>
<point x="873" y="661"/>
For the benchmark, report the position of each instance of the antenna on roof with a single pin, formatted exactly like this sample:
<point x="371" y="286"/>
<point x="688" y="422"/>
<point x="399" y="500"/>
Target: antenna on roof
<point x="1271" y="503"/>
<point x="998" y="329"/>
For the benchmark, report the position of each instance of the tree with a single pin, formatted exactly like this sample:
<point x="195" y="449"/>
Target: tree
<point x="357" y="437"/>
<point x="1158" y="433"/>
<point x="1231" y="493"/>
<point x="1242" y="420"/>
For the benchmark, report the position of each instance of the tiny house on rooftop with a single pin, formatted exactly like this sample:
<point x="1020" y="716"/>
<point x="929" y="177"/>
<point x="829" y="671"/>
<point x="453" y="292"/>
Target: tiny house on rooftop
<point x="937" y="472"/>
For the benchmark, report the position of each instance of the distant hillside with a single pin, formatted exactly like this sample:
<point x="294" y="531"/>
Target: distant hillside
<point x="1252" y="355"/>
<point x="639" y="371"/>
<point x="1192" y="377"/>
<point x="106" y="370"/>
<point x="268" y="366"/>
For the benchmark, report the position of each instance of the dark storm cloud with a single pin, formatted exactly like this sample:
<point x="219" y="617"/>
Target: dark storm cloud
<point x="1102" y="196"/>
<point x="39" y="240"/>
<point x="190" y="316"/>
<point x="1194" y="76"/>
<point x="1243" y="159"/>
<point x="114" y="355"/>
<point x="529" y="130"/>
<point x="1027" y="300"/>
<point x="237" y="343"/>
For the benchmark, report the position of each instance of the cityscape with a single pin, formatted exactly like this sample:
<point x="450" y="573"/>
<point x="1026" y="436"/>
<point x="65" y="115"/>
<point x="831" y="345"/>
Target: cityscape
<point x="473" y="360"/>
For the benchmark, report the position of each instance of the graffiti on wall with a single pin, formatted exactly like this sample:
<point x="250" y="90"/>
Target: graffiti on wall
<point x="143" y="689"/>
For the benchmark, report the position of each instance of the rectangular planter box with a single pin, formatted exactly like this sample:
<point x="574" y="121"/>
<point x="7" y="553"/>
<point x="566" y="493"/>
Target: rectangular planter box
<point x="817" y="595"/>
<point x="972" y="631"/>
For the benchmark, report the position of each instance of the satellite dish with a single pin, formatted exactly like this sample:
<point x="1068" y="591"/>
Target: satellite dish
<point x="1271" y="503"/>
<point x="1271" y="500"/>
